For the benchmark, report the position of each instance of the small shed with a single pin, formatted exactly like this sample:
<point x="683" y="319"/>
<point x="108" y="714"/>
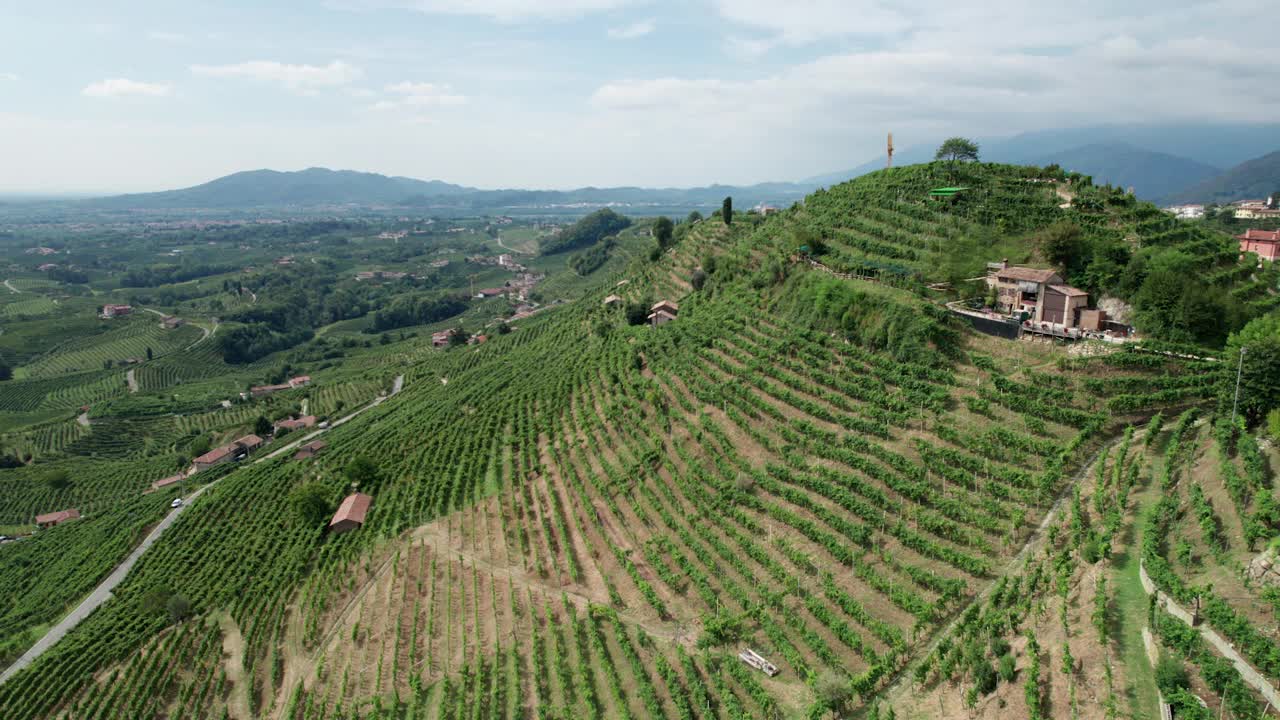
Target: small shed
<point x="660" y="318"/>
<point x="1093" y="320"/>
<point x="48" y="520"/>
<point x="249" y="443"/>
<point x="612" y="300"/>
<point x="666" y="305"/>
<point x="351" y="513"/>
<point x="309" y="450"/>
<point x="166" y="482"/>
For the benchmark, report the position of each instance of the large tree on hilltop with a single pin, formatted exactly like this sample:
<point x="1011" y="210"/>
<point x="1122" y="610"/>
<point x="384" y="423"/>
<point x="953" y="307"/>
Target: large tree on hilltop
<point x="726" y="211"/>
<point x="958" y="149"/>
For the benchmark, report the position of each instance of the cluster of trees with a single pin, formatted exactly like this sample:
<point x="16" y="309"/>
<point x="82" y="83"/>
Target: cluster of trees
<point x="247" y="343"/>
<point x="68" y="275"/>
<point x="420" y="309"/>
<point x="156" y="275"/>
<point x="588" y="261"/>
<point x="587" y="231"/>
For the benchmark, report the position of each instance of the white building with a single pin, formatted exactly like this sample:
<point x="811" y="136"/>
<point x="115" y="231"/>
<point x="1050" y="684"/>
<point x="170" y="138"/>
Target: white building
<point x="1186" y="212"/>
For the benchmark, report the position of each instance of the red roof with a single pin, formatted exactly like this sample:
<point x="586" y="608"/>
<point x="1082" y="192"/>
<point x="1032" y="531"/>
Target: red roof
<point x="249" y="441"/>
<point x="57" y="517"/>
<point x="1026" y="273"/>
<point x="215" y="455"/>
<point x="305" y="421"/>
<point x="354" y="507"/>
<point x="166" y="482"/>
<point x="1260" y="235"/>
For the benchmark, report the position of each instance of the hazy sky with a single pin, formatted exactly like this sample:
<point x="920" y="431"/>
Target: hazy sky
<point x="125" y="96"/>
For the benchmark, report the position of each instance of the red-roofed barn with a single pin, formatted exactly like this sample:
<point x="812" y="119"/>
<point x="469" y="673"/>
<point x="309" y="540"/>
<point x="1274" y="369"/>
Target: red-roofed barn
<point x="351" y="513"/>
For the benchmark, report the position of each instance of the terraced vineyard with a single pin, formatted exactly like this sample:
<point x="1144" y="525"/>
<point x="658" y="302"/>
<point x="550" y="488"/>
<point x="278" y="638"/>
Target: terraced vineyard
<point x="586" y="518"/>
<point x="130" y="340"/>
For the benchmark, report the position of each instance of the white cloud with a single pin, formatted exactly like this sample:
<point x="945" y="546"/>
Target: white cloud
<point x="802" y="21"/>
<point x="426" y="94"/>
<point x="299" y="78"/>
<point x="8" y="76"/>
<point x="501" y="10"/>
<point x="169" y="37"/>
<point x="633" y="31"/>
<point x="119" y="87"/>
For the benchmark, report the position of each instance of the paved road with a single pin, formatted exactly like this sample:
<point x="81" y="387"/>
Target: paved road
<point x="1247" y="672"/>
<point x="12" y="289"/>
<point x="395" y="388"/>
<point x="100" y="594"/>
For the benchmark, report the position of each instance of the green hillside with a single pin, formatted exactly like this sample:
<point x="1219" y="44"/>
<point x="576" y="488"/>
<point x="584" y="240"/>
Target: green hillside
<point x="590" y="517"/>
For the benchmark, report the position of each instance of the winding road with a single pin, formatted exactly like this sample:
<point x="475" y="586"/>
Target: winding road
<point x="102" y="592"/>
<point x="12" y="289"/>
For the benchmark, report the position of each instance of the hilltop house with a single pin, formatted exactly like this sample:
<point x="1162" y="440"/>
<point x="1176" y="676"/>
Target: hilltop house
<point x="171" y="322"/>
<point x="1039" y="294"/>
<point x="299" y="381"/>
<point x="1266" y="243"/>
<point x="111" y="311"/>
<point x="48" y="520"/>
<point x="351" y="513"/>
<point x="441" y="339"/>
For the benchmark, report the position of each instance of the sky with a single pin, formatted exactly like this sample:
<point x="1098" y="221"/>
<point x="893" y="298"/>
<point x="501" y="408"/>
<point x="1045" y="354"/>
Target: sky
<point x="149" y="95"/>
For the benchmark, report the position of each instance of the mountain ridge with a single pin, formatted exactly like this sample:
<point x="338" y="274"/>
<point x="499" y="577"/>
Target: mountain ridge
<point x="1256" y="178"/>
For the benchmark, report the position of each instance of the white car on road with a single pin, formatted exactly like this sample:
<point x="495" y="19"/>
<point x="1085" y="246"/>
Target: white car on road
<point x="177" y="502"/>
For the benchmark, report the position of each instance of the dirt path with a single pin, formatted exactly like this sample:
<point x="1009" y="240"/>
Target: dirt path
<point x="904" y="683"/>
<point x="12" y="289"/>
<point x="1247" y="671"/>
<point x="133" y="382"/>
<point x="207" y="333"/>
<point x="83" y="419"/>
<point x="233" y="664"/>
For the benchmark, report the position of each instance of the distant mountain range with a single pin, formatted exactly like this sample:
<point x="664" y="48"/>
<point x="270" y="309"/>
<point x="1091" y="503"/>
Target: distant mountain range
<point x="310" y="187"/>
<point x="1161" y="163"/>
<point x="322" y="188"/>
<point x="1158" y="161"/>
<point x="1254" y="179"/>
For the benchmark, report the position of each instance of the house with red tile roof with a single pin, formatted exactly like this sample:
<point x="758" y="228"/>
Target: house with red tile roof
<point x="1264" y="243"/>
<point x="216" y="456"/>
<point x="48" y="520"/>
